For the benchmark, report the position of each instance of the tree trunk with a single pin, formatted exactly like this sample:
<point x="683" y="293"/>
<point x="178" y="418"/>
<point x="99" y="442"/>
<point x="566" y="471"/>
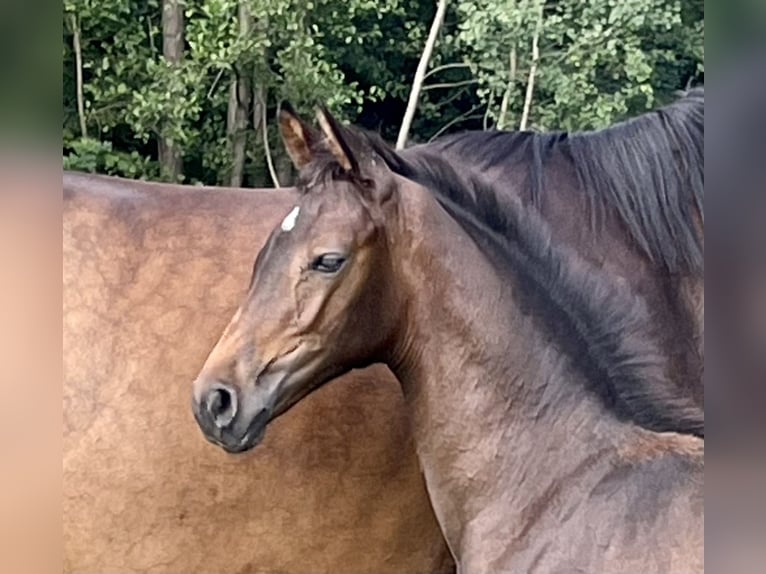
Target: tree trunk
<point x="239" y="105"/>
<point x="78" y="72"/>
<point x="172" y="50"/>
<point x="263" y="178"/>
<point x="501" y="122"/>
<point x="266" y="149"/>
<point x="532" y="69"/>
<point x="236" y="128"/>
<point x="420" y="73"/>
<point x="284" y="167"/>
<point x="260" y="102"/>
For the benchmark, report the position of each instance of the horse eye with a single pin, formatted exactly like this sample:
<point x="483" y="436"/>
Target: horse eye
<point x="328" y="263"/>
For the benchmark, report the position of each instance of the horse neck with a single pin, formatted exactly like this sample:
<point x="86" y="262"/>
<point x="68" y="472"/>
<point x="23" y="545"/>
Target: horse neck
<point x="498" y="412"/>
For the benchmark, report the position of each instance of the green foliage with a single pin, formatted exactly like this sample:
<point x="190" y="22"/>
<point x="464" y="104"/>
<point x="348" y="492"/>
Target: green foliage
<point x="600" y="60"/>
<point x="96" y="156"/>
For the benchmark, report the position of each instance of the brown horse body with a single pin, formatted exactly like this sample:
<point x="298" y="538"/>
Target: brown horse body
<point x="543" y="414"/>
<point x="151" y="276"/>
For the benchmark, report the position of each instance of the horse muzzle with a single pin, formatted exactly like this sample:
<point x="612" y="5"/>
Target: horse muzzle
<point x="228" y="419"/>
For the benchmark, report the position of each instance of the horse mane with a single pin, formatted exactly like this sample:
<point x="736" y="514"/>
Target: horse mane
<point x="604" y="328"/>
<point x="648" y="169"/>
<point x="583" y="308"/>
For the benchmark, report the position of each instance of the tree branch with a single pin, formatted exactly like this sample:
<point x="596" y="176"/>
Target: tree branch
<point x="150" y="33"/>
<point x="450" y="84"/>
<point x="215" y="83"/>
<point x="453" y="121"/>
<point x="455" y="95"/>
<point x="425" y="57"/>
<point x="443" y="67"/>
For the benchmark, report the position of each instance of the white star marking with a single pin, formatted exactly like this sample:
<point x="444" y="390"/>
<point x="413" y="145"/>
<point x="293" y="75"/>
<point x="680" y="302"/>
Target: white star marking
<point x="289" y="221"/>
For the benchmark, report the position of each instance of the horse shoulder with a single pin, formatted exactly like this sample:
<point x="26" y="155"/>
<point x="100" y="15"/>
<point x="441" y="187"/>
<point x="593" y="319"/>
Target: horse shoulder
<point x="641" y="511"/>
<point x="652" y="499"/>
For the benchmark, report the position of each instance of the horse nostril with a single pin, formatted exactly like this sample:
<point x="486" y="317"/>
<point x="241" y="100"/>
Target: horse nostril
<point x="221" y="404"/>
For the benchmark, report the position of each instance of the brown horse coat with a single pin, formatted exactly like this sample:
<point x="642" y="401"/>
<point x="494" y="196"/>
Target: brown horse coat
<point x="543" y="416"/>
<point x="152" y="274"/>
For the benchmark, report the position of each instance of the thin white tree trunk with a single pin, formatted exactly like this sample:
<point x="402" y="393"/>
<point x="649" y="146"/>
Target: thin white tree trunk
<point x="266" y="148"/>
<point x="485" y="119"/>
<point x="78" y="73"/>
<point x="258" y="105"/>
<point x="259" y="114"/>
<point x="532" y="69"/>
<point x="501" y="122"/>
<point x="420" y="73"/>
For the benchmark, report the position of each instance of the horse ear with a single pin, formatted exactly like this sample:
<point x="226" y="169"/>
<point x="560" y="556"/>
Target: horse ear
<point x="337" y="141"/>
<point x="300" y="138"/>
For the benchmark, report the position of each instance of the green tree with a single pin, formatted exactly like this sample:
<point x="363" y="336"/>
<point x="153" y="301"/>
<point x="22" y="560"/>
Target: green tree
<point x="571" y="64"/>
<point x="598" y="60"/>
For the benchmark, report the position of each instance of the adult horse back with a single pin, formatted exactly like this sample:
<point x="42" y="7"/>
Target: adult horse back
<point x="152" y="274"/>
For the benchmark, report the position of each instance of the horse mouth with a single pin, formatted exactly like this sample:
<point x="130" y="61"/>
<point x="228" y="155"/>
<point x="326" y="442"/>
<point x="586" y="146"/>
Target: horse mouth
<point x="251" y="438"/>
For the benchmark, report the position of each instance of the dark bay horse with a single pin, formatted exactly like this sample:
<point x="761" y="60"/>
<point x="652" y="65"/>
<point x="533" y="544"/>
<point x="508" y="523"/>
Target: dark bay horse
<point x="152" y="274"/>
<point x="539" y="397"/>
<point x="629" y="199"/>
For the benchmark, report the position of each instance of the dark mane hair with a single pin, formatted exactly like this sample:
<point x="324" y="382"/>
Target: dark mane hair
<point x="648" y="169"/>
<point x="583" y="309"/>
